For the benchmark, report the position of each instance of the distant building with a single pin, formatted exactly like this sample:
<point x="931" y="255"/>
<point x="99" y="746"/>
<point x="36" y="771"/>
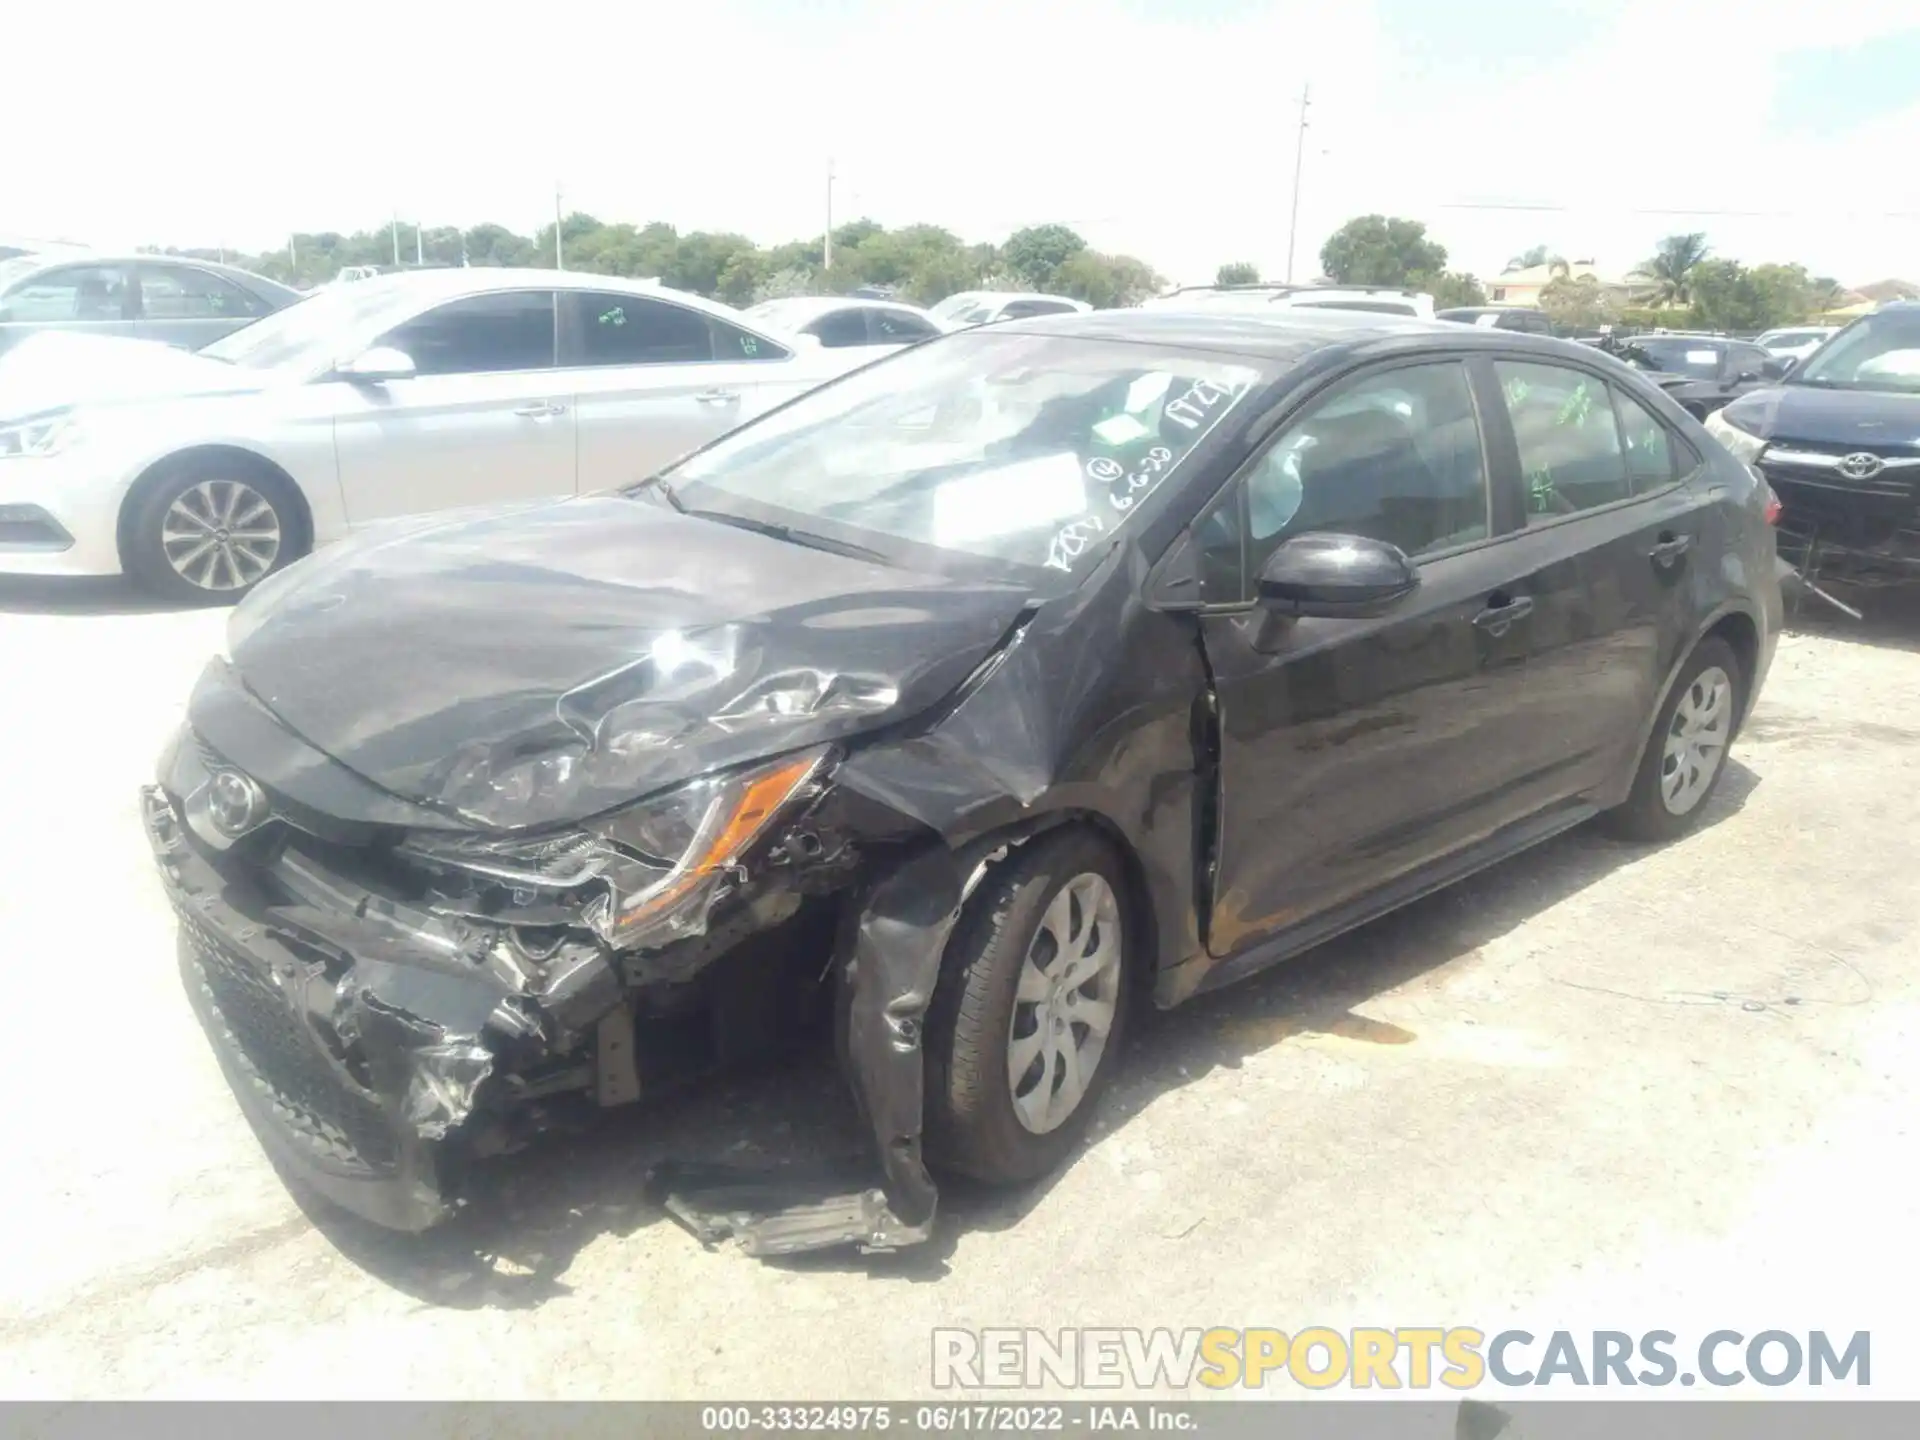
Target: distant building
<point x="1523" y="286"/>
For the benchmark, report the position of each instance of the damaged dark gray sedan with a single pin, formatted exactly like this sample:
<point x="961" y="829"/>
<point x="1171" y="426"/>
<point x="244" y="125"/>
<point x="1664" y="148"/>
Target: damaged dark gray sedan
<point x="958" y="705"/>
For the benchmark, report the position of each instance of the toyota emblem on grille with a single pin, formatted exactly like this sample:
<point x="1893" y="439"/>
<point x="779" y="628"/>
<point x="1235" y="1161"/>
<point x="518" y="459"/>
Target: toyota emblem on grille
<point x="1861" y="466"/>
<point x="235" y="803"/>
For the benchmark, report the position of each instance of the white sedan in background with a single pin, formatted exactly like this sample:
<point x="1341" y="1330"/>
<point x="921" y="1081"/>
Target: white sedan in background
<point x="200" y="474"/>
<point x="849" y="323"/>
<point x="990" y="307"/>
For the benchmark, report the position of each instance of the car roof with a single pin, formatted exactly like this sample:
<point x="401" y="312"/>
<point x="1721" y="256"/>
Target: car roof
<point x="1282" y="333"/>
<point x="456" y="281"/>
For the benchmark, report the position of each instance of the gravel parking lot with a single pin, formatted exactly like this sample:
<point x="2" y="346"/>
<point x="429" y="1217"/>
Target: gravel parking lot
<point x="1599" y="1086"/>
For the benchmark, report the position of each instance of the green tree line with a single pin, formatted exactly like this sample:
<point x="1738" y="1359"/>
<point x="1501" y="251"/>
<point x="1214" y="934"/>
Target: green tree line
<point x="1681" y="285"/>
<point x="921" y="263"/>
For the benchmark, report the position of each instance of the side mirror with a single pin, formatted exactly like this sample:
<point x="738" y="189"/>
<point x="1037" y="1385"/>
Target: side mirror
<point x="1779" y="367"/>
<point x="1336" y="577"/>
<point x="376" y="366"/>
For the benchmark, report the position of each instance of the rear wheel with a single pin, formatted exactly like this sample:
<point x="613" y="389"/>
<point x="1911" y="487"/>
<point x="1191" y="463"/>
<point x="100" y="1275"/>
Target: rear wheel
<point x="1687" y="752"/>
<point x="210" y="530"/>
<point x="1026" y="1022"/>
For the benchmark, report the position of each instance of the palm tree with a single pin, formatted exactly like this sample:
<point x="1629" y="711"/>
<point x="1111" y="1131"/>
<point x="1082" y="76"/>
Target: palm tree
<point x="1672" y="264"/>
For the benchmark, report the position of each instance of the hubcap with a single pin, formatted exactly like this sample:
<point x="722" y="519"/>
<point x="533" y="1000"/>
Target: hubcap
<point x="1696" y="740"/>
<point x="1063" y="1008"/>
<point x="221" y="535"/>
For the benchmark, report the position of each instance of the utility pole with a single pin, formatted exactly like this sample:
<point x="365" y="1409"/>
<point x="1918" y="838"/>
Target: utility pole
<point x="1299" y="154"/>
<point x="394" y="228"/>
<point x="419" y="247"/>
<point x="827" y="246"/>
<point x="559" y="257"/>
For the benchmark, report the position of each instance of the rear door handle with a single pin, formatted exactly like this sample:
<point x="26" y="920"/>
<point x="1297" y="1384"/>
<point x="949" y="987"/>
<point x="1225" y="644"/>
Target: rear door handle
<point x="717" y="397"/>
<point x="1668" y="550"/>
<point x="1500" y="614"/>
<point x="541" y="411"/>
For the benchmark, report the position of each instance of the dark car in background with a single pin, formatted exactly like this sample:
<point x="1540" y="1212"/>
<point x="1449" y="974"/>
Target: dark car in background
<point x="182" y="302"/>
<point x="1839" y="441"/>
<point x="1524" y="318"/>
<point x="1701" y="372"/>
<point x="962" y="703"/>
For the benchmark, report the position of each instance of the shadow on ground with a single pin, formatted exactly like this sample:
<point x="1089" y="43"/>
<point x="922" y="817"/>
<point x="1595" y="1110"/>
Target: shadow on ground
<point x="66" y="595"/>
<point x="531" y="1214"/>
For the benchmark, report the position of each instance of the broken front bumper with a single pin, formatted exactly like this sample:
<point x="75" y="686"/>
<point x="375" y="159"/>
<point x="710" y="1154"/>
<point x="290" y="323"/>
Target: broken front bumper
<point x="379" y="1047"/>
<point x="320" y="1116"/>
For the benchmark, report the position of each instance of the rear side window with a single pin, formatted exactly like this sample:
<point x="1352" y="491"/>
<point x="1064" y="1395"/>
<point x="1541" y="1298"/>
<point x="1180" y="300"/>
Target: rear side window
<point x="480" y="335"/>
<point x="897" y="327"/>
<point x="1570" y="448"/>
<point x="610" y="328"/>
<point x="730" y="342"/>
<point x="1652" y="454"/>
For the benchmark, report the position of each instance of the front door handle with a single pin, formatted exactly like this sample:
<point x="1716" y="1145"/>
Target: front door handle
<point x="1667" y="551"/>
<point x="717" y="397"/>
<point x="541" y="411"/>
<point x="1501" y="612"/>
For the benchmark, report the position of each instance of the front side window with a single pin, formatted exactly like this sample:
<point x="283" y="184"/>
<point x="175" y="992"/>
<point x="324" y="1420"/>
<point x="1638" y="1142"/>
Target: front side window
<point x="179" y="292"/>
<point x="480" y="335"/>
<point x="72" y="294"/>
<point x="1878" y="352"/>
<point x="1677" y="355"/>
<point x="1029" y="450"/>
<point x="1570" y="452"/>
<point x="1393" y="456"/>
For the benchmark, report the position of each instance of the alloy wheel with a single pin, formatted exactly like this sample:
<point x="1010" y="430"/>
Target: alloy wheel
<point x="1696" y="740"/>
<point x="221" y="535"/>
<point x="1064" y="1005"/>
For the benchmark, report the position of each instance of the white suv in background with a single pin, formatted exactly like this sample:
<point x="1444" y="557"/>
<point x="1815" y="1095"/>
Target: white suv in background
<point x="200" y="474"/>
<point x="1379" y="300"/>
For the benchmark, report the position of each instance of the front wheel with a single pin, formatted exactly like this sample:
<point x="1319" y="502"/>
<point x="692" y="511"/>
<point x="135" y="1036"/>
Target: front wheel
<point x="1687" y="752"/>
<point x="1025" y="1026"/>
<point x="209" y="531"/>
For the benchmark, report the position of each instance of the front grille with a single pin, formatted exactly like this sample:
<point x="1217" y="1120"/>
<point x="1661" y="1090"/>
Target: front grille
<point x="283" y="1061"/>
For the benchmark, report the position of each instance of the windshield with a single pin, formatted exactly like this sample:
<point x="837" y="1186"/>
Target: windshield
<point x="307" y="332"/>
<point x="1880" y="352"/>
<point x="12" y="270"/>
<point x="1029" y="449"/>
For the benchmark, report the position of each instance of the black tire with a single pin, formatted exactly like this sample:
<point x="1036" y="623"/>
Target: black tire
<point x="973" y="1128"/>
<point x="1646" y="814"/>
<point x="236" y="476"/>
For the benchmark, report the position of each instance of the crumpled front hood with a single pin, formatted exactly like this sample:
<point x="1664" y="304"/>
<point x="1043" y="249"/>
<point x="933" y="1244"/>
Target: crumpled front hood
<point x="1871" y="419"/>
<point x="61" y="368"/>
<point x="538" y="664"/>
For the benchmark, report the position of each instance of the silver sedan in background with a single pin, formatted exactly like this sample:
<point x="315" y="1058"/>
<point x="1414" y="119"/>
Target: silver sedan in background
<point x="182" y="302"/>
<point x="201" y="474"/>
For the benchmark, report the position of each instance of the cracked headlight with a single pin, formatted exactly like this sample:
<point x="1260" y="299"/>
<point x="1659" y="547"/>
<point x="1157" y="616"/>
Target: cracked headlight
<point x="657" y="866"/>
<point x="48" y="435"/>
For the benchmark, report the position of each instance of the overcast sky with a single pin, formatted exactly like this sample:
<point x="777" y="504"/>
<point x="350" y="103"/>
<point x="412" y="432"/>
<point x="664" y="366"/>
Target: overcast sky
<point x="1163" y="129"/>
